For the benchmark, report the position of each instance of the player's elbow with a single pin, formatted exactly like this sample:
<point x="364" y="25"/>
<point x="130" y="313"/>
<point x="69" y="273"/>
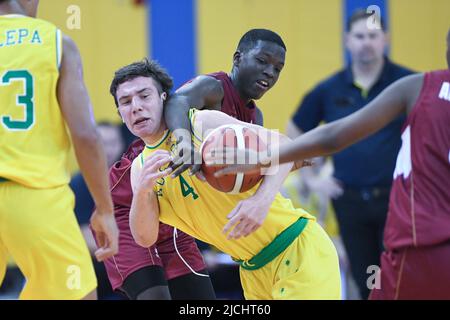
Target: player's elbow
<point x="144" y="239"/>
<point x="142" y="234"/>
<point x="86" y="136"/>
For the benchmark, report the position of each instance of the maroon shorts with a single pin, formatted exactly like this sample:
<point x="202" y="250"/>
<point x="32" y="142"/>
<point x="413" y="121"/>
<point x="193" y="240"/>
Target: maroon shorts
<point x="415" y="273"/>
<point x="132" y="257"/>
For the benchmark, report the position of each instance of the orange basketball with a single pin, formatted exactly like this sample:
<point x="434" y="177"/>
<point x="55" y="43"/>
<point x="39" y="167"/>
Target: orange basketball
<point x="231" y="136"/>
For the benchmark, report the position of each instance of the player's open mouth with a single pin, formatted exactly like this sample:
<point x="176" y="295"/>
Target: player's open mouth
<point x="141" y="120"/>
<point x="262" y="84"/>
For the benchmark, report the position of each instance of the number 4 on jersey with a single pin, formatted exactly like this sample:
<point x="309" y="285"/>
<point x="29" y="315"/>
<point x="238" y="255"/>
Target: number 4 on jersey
<point x="186" y="189"/>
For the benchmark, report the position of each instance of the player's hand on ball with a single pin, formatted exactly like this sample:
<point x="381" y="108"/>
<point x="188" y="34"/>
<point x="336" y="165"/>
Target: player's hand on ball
<point x="237" y="160"/>
<point x="184" y="158"/>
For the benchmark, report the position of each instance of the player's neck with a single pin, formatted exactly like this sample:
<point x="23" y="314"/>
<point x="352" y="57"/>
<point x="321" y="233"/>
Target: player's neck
<point x="235" y="82"/>
<point x="157" y="137"/>
<point x="366" y="74"/>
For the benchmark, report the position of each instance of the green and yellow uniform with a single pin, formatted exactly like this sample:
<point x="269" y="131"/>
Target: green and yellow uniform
<point x="37" y="224"/>
<point x="288" y="257"/>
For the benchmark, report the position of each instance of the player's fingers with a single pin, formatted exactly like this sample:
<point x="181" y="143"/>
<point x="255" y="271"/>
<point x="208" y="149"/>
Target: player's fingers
<point x="307" y="163"/>
<point x="237" y="232"/>
<point x="162" y="174"/>
<point x="177" y="161"/>
<point x="224" y="171"/>
<point x="249" y="229"/>
<point x="200" y="176"/>
<point x="231" y="223"/>
<point x="152" y="172"/>
<point x="232" y="169"/>
<point x="217" y="157"/>
<point x="180" y="161"/>
<point x="150" y="161"/>
<point x="158" y="164"/>
<point x="157" y="154"/>
<point x="104" y="253"/>
<point x="234" y="211"/>
<point x="194" y="169"/>
<point x="180" y="170"/>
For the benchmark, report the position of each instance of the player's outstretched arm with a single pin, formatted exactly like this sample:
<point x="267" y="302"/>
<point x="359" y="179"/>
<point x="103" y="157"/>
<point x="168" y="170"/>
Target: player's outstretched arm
<point x="144" y="213"/>
<point x="335" y="136"/>
<point x="202" y="92"/>
<point x="77" y="112"/>
<point x="396" y="99"/>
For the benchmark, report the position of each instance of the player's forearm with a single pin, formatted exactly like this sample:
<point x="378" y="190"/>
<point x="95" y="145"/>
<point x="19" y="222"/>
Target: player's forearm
<point x="272" y="183"/>
<point x="322" y="141"/>
<point x="144" y="217"/>
<point x="176" y="113"/>
<point x="92" y="162"/>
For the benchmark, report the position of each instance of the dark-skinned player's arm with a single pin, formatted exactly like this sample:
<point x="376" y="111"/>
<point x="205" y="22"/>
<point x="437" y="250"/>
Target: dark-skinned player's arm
<point x="396" y="99"/>
<point x="202" y="92"/>
<point x="77" y="112"/>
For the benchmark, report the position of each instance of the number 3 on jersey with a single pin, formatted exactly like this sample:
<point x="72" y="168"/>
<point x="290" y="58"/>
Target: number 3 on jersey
<point x="186" y="189"/>
<point x="25" y="100"/>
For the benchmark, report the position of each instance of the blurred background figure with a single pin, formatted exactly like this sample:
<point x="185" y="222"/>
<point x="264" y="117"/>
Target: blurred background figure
<point x="360" y="185"/>
<point x="113" y="144"/>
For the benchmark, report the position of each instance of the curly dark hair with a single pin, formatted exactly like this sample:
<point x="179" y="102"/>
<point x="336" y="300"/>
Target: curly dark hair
<point x="144" y="68"/>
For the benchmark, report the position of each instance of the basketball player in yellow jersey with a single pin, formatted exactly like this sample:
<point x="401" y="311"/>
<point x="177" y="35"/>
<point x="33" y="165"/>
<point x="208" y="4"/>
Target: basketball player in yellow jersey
<point x="42" y="90"/>
<point x="288" y="257"/>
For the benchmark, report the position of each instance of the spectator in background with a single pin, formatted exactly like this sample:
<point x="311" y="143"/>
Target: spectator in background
<point x="113" y="144"/>
<point x="363" y="172"/>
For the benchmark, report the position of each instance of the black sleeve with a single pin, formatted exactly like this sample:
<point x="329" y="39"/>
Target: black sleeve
<point x="310" y="111"/>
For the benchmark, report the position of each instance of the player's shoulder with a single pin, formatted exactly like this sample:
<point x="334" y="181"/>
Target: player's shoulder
<point x="207" y="81"/>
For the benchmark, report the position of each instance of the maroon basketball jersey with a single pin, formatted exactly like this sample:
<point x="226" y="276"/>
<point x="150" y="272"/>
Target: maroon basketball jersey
<point x="232" y="103"/>
<point x="419" y="208"/>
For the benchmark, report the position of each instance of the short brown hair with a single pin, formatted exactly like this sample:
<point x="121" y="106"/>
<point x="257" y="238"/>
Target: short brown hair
<point x="145" y="68"/>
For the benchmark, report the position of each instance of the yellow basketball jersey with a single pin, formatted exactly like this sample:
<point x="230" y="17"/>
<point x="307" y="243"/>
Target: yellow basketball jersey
<point x="34" y="144"/>
<point x="201" y="211"/>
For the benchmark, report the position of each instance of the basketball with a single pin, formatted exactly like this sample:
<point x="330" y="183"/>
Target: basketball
<point x="231" y="136"/>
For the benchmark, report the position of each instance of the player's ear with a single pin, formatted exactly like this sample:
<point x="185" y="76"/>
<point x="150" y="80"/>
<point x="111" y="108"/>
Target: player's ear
<point x="237" y="56"/>
<point x="164" y="96"/>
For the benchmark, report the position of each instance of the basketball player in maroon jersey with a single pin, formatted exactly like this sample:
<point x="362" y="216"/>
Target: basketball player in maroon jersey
<point x="138" y="271"/>
<point x="416" y="262"/>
